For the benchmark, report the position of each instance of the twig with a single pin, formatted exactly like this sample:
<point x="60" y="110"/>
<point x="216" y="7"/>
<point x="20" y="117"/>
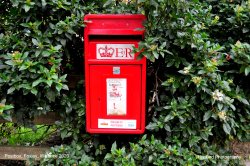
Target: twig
<point x="156" y="88"/>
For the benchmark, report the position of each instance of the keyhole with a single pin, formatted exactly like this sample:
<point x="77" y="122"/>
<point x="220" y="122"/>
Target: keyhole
<point x="99" y="104"/>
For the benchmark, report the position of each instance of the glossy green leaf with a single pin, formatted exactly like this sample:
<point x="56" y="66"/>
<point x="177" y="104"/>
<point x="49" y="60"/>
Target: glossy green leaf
<point x="26" y="8"/>
<point x="11" y="90"/>
<point x="226" y="128"/>
<point x="10" y="62"/>
<point x="207" y="115"/>
<point x="37" y="82"/>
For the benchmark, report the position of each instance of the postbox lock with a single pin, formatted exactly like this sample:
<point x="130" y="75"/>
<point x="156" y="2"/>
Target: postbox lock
<point x="116" y="70"/>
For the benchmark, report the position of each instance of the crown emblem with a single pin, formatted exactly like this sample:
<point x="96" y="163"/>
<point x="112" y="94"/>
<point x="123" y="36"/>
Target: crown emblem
<point x="106" y="51"/>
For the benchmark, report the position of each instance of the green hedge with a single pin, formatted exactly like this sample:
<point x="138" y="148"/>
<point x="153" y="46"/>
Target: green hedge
<point x="198" y="70"/>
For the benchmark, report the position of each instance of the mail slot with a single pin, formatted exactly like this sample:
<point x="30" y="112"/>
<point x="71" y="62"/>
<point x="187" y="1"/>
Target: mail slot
<point x="114" y="75"/>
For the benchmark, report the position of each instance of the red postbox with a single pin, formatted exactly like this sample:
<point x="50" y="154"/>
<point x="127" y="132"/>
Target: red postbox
<point x="115" y="77"/>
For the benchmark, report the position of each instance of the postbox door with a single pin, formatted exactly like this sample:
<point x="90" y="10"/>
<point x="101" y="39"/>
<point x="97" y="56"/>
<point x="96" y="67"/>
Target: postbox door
<point x="115" y="96"/>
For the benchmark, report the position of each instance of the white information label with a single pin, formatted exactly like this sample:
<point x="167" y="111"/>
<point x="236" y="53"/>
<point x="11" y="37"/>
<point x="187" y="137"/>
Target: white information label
<point x="116" y="124"/>
<point x="115" y="51"/>
<point x="116" y="96"/>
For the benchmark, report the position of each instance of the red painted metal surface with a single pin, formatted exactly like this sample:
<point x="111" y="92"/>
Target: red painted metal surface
<point x="115" y="78"/>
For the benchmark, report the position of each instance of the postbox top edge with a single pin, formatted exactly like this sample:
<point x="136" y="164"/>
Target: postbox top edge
<point x="114" y="16"/>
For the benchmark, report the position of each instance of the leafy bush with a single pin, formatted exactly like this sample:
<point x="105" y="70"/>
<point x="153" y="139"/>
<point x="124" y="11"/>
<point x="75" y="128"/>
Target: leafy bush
<point x="152" y="151"/>
<point x="36" y="49"/>
<point x="13" y="134"/>
<point x="198" y="74"/>
<point x="75" y="154"/>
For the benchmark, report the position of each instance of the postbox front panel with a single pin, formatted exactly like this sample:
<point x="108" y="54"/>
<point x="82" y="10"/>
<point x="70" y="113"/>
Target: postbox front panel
<point x="115" y="77"/>
<point x="115" y="100"/>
